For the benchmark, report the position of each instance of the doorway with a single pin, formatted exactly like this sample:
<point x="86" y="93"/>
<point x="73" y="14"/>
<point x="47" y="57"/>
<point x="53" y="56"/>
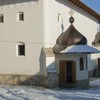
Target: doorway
<point x="67" y="73"/>
<point x="99" y="64"/>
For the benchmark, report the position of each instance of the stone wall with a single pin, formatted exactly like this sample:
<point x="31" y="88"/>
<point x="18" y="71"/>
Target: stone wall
<point x="21" y="79"/>
<point x="50" y="81"/>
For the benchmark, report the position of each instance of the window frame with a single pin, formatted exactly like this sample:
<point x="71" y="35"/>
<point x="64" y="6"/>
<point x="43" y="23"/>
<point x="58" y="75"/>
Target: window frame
<point x="81" y="64"/>
<point x="1" y="18"/>
<point x="19" y="51"/>
<point x="20" y="16"/>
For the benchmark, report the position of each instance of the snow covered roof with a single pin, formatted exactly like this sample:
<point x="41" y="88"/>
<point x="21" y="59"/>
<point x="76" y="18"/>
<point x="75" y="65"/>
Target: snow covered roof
<point x="80" y="49"/>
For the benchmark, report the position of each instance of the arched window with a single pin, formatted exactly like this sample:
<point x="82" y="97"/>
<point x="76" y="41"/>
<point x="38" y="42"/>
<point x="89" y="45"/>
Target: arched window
<point x="81" y="63"/>
<point x="21" y="49"/>
<point x="20" y="16"/>
<point x="1" y="18"/>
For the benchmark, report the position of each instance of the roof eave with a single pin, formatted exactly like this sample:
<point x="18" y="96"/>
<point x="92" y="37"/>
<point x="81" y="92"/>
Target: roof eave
<point x="86" y="8"/>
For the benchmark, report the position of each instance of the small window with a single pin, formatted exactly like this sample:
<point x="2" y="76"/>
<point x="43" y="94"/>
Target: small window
<point x="81" y="63"/>
<point x="1" y="18"/>
<point x="21" y="49"/>
<point x="20" y="16"/>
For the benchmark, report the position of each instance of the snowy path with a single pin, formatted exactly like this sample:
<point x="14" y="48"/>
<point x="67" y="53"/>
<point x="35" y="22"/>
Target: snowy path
<point x="30" y="93"/>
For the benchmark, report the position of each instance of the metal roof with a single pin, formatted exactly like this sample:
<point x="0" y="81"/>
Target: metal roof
<point x="77" y="49"/>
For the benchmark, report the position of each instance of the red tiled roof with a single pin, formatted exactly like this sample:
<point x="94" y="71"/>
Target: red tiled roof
<point x="86" y="8"/>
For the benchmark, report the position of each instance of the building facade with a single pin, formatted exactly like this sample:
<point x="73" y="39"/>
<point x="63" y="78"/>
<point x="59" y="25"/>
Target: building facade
<point x="28" y="32"/>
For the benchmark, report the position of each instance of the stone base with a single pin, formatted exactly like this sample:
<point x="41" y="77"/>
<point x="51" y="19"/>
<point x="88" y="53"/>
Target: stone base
<point x="49" y="81"/>
<point x="78" y="83"/>
<point x="21" y="79"/>
<point x="52" y="80"/>
<point x="83" y="83"/>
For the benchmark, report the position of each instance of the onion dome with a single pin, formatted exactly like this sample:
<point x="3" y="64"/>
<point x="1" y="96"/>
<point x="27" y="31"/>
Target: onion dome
<point x="70" y="37"/>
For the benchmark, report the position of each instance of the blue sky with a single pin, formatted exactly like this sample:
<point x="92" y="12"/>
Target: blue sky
<point x="94" y="4"/>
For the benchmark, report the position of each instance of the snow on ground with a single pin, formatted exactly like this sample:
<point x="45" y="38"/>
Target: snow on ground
<point x="95" y="82"/>
<point x="38" y="93"/>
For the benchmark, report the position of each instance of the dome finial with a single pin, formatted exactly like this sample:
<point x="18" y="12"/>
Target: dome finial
<point x="71" y="19"/>
<point x="71" y="12"/>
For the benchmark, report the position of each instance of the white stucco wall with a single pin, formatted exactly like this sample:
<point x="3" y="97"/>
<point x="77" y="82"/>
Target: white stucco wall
<point x="84" y="23"/>
<point x="50" y="64"/>
<point x="30" y="31"/>
<point x="39" y="28"/>
<point x="80" y="75"/>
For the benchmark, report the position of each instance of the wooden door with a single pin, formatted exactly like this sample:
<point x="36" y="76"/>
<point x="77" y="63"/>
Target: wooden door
<point x="62" y="73"/>
<point x="99" y="63"/>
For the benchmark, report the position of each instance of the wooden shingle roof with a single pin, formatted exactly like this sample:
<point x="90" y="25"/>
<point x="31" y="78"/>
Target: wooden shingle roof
<point x="48" y="52"/>
<point x="70" y="37"/>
